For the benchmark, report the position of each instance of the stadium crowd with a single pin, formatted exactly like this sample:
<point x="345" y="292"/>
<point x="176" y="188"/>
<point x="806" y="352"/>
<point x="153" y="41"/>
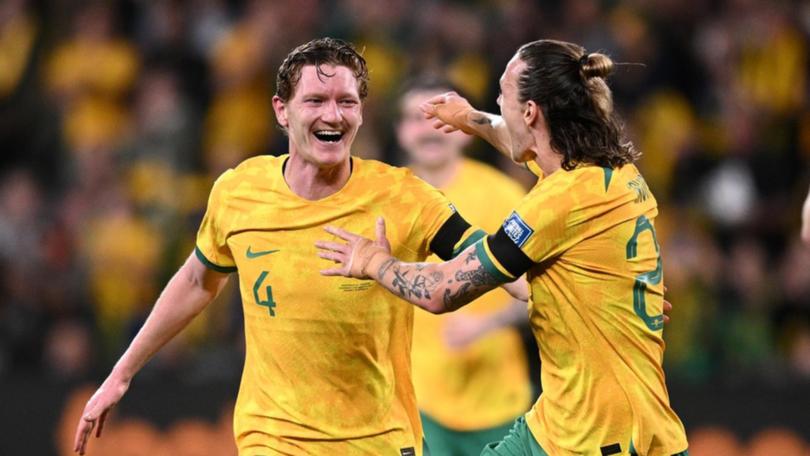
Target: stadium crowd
<point x="116" y="117"/>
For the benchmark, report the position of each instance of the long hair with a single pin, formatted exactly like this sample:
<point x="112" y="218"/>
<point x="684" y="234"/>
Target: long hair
<point x="569" y="86"/>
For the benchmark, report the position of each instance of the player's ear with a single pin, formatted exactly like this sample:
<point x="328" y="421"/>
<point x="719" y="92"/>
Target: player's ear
<point x="281" y="111"/>
<point x="531" y="113"/>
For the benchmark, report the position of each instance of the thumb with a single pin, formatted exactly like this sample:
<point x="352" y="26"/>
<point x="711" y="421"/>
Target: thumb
<point x="381" y="239"/>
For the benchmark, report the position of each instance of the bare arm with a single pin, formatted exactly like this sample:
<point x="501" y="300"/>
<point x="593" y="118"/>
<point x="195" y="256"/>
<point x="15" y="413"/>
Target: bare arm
<point x="191" y="289"/>
<point x="452" y="112"/>
<point x="435" y="287"/>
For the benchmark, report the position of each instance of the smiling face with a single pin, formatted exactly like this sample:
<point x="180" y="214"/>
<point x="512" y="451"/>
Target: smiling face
<point x="322" y="116"/>
<point x="514" y="112"/>
<point x="426" y="146"/>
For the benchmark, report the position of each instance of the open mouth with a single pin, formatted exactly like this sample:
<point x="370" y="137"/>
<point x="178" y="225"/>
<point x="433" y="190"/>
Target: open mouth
<point x="329" y="136"/>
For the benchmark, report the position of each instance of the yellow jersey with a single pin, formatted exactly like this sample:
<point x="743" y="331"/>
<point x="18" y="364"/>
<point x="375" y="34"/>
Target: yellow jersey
<point x="485" y="384"/>
<point x="327" y="368"/>
<point x="587" y="238"/>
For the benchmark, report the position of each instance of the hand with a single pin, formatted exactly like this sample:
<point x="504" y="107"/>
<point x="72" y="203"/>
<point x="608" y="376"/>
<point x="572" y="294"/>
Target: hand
<point x="462" y="330"/>
<point x="354" y="256"/>
<point x="96" y="410"/>
<point x="667" y="310"/>
<point x="449" y="111"/>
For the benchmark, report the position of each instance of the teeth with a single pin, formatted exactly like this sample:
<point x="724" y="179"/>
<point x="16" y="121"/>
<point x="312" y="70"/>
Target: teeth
<point x="328" y="133"/>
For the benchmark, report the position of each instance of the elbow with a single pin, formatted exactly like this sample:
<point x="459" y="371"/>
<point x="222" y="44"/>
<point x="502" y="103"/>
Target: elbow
<point x="436" y="305"/>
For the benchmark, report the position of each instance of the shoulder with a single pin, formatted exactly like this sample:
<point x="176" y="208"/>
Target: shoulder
<point x="258" y="169"/>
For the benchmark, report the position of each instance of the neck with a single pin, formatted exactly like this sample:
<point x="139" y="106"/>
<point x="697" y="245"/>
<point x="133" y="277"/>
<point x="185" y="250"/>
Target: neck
<point x="547" y="159"/>
<point x="312" y="182"/>
<point x="438" y="176"/>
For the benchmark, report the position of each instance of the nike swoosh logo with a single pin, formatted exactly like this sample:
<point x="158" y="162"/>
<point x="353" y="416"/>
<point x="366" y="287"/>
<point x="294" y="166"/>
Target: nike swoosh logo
<point x="250" y="254"/>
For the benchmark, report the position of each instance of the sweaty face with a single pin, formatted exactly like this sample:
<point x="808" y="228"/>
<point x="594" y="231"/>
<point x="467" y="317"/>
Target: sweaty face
<point x="323" y="115"/>
<point x="426" y="146"/>
<point x="512" y="111"/>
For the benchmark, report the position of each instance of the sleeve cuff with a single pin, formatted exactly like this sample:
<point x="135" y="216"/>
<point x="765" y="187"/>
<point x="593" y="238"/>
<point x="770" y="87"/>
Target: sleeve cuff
<point x="210" y="265"/>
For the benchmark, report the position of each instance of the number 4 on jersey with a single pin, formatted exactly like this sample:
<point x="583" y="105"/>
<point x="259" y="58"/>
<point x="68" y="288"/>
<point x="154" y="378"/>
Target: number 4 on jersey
<point x="269" y="303"/>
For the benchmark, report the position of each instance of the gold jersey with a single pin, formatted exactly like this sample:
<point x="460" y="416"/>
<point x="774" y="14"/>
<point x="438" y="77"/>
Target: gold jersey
<point x="327" y="368"/>
<point x="597" y="292"/>
<point x="485" y="384"/>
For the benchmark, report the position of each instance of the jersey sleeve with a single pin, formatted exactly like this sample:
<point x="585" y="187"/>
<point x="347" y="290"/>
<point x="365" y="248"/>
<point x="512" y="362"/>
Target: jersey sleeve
<point x="439" y="228"/>
<point x="212" y="248"/>
<point x="544" y="224"/>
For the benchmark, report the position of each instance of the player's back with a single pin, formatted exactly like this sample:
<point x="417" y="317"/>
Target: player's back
<point x="597" y="291"/>
<point x="327" y="367"/>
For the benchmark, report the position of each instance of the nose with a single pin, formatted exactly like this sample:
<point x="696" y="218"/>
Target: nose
<point x="331" y="112"/>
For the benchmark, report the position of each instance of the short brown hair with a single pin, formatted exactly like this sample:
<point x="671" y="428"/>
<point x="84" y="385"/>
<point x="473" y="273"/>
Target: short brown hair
<point x="568" y="84"/>
<point x="321" y="51"/>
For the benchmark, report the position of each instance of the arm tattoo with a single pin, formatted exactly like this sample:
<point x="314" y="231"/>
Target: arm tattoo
<point x="420" y="286"/>
<point x="385" y="267"/>
<point x="471" y="281"/>
<point x="481" y="119"/>
<point x="477" y="277"/>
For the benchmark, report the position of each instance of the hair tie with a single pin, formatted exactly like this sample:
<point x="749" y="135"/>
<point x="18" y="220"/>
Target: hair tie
<point x="584" y="59"/>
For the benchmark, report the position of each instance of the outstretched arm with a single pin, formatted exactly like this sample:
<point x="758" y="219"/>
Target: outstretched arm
<point x="435" y="287"/>
<point x="191" y="289"/>
<point x="452" y="112"/>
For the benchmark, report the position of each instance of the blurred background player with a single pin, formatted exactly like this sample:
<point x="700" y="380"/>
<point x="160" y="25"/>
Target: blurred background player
<point x="327" y="369"/>
<point x="469" y="368"/>
<point x="585" y="236"/>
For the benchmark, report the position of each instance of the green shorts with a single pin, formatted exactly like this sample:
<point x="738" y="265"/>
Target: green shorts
<point x="444" y="441"/>
<point x="519" y="441"/>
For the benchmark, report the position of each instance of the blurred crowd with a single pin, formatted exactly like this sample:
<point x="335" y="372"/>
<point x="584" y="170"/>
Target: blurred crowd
<point x="116" y="117"/>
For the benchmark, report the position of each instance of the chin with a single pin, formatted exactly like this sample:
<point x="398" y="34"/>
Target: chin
<point x="332" y="156"/>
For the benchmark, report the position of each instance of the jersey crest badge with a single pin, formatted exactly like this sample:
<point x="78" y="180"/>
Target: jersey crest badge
<point x="517" y="230"/>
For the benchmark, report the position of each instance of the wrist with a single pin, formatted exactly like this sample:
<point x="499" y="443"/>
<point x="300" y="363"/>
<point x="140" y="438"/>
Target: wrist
<point x="377" y="259"/>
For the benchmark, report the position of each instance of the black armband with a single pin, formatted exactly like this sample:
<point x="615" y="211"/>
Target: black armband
<point x="508" y="254"/>
<point x="448" y="236"/>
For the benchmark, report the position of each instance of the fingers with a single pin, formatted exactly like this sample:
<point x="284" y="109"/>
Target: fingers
<point x="667" y="306"/>
<point x="82" y="431"/>
<point x="449" y="129"/>
<point x="332" y="246"/>
<point x="334" y="256"/>
<point x="101" y="420"/>
<point x="341" y="233"/>
<point x="380" y="229"/>
<point x="334" y="272"/>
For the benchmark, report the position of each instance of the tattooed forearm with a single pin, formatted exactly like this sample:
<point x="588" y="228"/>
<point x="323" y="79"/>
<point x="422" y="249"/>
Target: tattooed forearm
<point x="436" y="287"/>
<point x="477" y="277"/>
<point x="386" y="266"/>
<point x="420" y="286"/>
<point x="452" y="301"/>
<point x="481" y="119"/>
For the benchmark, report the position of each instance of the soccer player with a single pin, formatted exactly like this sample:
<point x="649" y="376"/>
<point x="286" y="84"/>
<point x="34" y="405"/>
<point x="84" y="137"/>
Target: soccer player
<point x="585" y="236"/>
<point x="469" y="368"/>
<point x="327" y="368"/>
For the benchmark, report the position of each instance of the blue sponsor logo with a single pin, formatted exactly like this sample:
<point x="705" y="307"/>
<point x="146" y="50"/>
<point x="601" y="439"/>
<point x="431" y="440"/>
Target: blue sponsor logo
<point x="517" y="230"/>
